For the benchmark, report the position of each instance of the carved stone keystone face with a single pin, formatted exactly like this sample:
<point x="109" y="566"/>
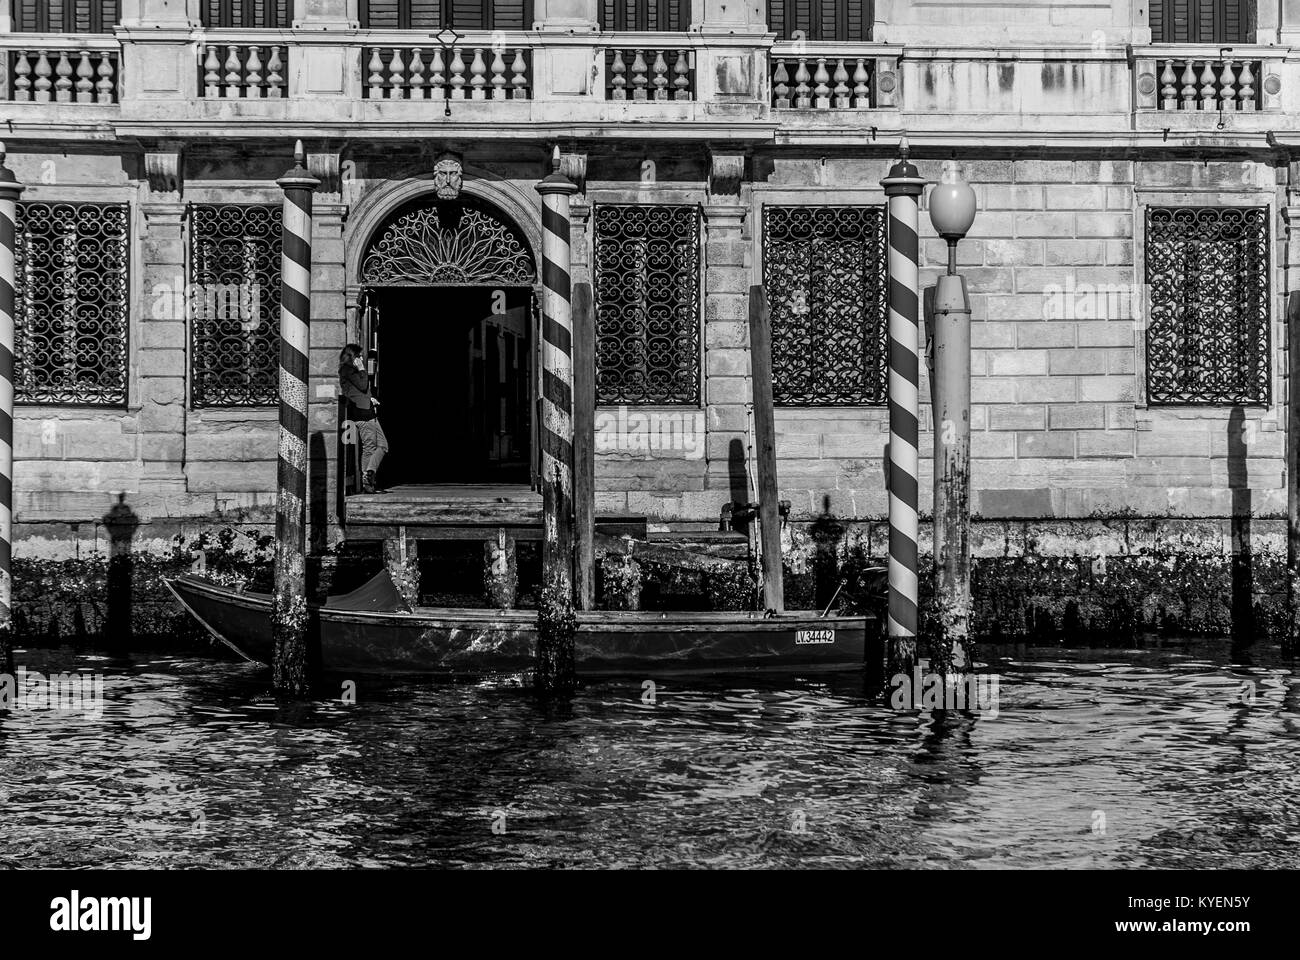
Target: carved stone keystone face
<point x="447" y="177"/>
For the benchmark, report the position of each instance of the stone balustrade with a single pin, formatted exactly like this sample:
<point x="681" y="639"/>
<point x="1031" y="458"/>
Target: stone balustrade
<point x="242" y="72"/>
<point x="1194" y="79"/>
<point x="462" y="72"/>
<point x="649" y="74"/>
<point x="60" y="72"/>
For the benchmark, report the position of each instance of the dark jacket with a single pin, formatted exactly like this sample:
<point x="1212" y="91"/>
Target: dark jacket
<point x="355" y="387"/>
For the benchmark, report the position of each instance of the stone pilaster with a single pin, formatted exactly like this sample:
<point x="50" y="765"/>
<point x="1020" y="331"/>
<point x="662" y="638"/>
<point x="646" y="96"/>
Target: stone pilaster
<point x="328" y="335"/>
<point x="561" y="15"/>
<point x="726" y="339"/>
<point x="161" y="13"/>
<point x="322" y="14"/>
<point x="161" y="346"/>
<point x="729" y="16"/>
<point x="1288" y="29"/>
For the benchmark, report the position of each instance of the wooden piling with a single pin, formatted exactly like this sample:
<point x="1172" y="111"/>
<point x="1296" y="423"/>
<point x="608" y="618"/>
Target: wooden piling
<point x="10" y="190"/>
<point x="584" y="446"/>
<point x="769" y="515"/>
<point x="1291" y="636"/>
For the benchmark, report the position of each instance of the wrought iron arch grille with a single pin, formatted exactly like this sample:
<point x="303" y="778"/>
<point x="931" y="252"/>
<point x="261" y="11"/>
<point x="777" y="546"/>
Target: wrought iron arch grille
<point x="234" y="304"/>
<point x="463" y="243"/>
<point x="71" y="269"/>
<point x="1207" y="339"/>
<point x="647" y="267"/>
<point x="825" y="269"/>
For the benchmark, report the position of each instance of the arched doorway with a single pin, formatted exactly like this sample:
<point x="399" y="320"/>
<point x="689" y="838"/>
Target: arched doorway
<point x="447" y="294"/>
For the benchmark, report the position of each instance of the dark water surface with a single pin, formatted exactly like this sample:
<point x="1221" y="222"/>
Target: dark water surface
<point x="1169" y="757"/>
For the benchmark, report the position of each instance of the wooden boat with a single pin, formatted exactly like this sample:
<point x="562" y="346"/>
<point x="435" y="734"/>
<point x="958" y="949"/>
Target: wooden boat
<point x="356" y="634"/>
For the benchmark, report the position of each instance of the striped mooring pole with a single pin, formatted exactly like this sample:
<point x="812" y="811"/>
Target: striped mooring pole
<point x="289" y="604"/>
<point x="557" y="624"/>
<point x="903" y="188"/>
<point x="10" y="190"/>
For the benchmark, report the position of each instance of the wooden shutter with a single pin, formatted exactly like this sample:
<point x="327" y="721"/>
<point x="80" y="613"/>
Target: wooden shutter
<point x="821" y="20"/>
<point x="64" y="16"/>
<point x="1201" y="21"/>
<point x="243" y="14"/>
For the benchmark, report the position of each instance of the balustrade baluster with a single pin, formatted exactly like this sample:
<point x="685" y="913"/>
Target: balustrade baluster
<point x="254" y="65"/>
<point x="438" y="79"/>
<point x="22" y="77"/>
<point x="396" y="76"/>
<point x="104" y="92"/>
<point x="618" y="85"/>
<point x="781" y="86"/>
<point x="63" y="83"/>
<point x="233" y="73"/>
<point x="1189" y="87"/>
<point x="477" y="76"/>
<point x="498" y="74"/>
<point x="822" y="90"/>
<point x="1208" y="102"/>
<point x="43" y="73"/>
<point x="681" y="77"/>
<point x="212" y="74"/>
<point x="1168" y="92"/>
<point x="376" y="78"/>
<point x="639" y="78"/>
<point x="85" y="86"/>
<point x="1246" y="88"/>
<point x="1228" y="89"/>
<point x="841" y="91"/>
<point x="274" y="79"/>
<point x="802" y="92"/>
<point x="457" y="75"/>
<point x="861" y="92"/>
<point x="660" y="76"/>
<point x="519" y="81"/>
<point x="417" y="75"/>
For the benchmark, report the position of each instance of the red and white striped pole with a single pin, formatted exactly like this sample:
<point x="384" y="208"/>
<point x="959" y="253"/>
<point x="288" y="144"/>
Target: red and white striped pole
<point x="903" y="188"/>
<point x="289" y="604"/>
<point x="556" y="626"/>
<point x="10" y="190"/>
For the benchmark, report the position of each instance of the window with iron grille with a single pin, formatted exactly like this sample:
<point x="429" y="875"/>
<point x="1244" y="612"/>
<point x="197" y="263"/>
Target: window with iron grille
<point x="821" y="20"/>
<point x="435" y="14"/>
<point x="659" y="16"/>
<point x="64" y="16"/>
<point x="1202" y="21"/>
<point x="71" y="272"/>
<point x="266" y="14"/>
<point x="825" y="270"/>
<point x="234" y="304"/>
<point x="646" y="266"/>
<point x="1207" y="337"/>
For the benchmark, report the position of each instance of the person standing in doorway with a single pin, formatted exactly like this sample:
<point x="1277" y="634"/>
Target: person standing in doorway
<point x="362" y="409"/>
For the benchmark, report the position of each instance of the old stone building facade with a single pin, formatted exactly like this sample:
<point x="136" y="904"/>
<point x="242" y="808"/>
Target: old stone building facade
<point x="1130" y="268"/>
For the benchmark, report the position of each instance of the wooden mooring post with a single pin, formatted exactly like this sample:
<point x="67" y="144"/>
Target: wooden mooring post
<point x="1291" y="636"/>
<point x="769" y="508"/>
<point x="557" y="625"/>
<point x="10" y="190"/>
<point x="584" y="446"/>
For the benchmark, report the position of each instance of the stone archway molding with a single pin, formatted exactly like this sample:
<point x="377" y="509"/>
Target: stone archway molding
<point x="379" y="207"/>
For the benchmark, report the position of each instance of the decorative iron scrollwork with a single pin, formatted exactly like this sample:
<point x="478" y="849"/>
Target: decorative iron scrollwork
<point x="825" y="269"/>
<point x="234" y="304"/>
<point x="71" y="268"/>
<point x="450" y="244"/>
<point x="1207" y="339"/>
<point x="647" y="290"/>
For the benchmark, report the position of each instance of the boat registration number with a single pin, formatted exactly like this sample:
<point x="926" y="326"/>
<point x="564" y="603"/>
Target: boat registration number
<point x="814" y="636"/>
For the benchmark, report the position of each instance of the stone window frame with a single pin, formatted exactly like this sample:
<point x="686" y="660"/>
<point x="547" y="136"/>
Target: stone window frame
<point x="1146" y="413"/>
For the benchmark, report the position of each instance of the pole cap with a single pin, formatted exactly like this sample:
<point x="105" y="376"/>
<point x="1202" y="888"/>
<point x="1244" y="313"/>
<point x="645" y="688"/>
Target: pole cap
<point x="8" y="181"/>
<point x="556" y="182"/>
<point x="298" y="176"/>
<point x="903" y="178"/>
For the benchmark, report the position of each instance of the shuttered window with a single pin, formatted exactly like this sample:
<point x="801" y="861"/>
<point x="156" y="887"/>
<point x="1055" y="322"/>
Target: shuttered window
<point x="435" y="14"/>
<point x="661" y="16"/>
<point x="65" y="16"/>
<point x="1202" y="21"/>
<point x="266" y="14"/>
<point x="842" y="20"/>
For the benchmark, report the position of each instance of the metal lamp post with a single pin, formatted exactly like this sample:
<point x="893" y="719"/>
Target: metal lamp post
<point x="952" y="211"/>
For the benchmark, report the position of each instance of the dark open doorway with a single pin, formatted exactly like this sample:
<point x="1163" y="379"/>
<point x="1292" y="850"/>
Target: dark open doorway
<point x="453" y="375"/>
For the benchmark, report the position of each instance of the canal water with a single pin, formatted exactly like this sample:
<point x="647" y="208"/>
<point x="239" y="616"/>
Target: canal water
<point x="1166" y="757"/>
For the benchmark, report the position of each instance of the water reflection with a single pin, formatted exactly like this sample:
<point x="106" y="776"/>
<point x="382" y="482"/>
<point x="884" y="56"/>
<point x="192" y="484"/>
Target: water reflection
<point x="1167" y="757"/>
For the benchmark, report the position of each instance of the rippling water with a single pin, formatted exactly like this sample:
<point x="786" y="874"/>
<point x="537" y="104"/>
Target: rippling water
<point x="1166" y="757"/>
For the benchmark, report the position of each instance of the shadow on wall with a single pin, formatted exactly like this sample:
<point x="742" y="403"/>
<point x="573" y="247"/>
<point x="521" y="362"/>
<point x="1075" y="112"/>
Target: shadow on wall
<point x="120" y="522"/>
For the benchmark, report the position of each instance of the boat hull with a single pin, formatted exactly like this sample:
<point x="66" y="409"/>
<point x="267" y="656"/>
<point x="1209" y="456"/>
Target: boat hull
<point x="472" y="642"/>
